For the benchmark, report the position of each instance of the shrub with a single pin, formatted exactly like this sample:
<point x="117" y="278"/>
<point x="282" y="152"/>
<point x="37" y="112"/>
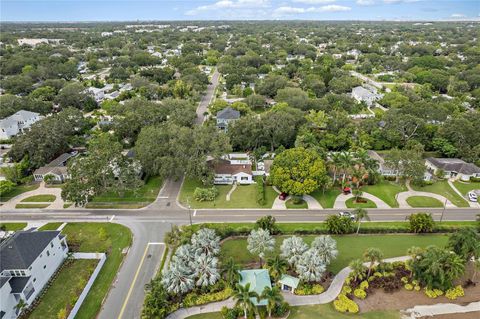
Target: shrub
<point x="433" y="293"/>
<point x="404" y="280"/>
<point x="309" y="289"/>
<point x="230" y="313"/>
<point x="194" y="299"/>
<point x="205" y="194"/>
<point x="339" y="225"/>
<point x="267" y="223"/>
<point x="421" y="223"/>
<point x="360" y="293"/>
<point x="260" y="190"/>
<point x="454" y="293"/>
<point x="475" y="179"/>
<point x="281" y="310"/>
<point x="344" y="304"/>
<point x="346" y="290"/>
<point x="409" y="287"/>
<point x="364" y="285"/>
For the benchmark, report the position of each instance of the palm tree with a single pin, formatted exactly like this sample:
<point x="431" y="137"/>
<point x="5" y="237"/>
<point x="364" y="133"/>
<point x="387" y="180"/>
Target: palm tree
<point x="360" y="214"/>
<point x="230" y="270"/>
<point x="292" y="249"/>
<point x="466" y="244"/>
<point x="273" y="297"/>
<point x="206" y="270"/>
<point x="358" y="174"/>
<point x="311" y="267"/>
<point x="345" y="164"/>
<point x="326" y="247"/>
<point x="276" y="266"/>
<point x="357" y="267"/>
<point x="260" y="242"/>
<point x="335" y="163"/>
<point x="243" y="297"/>
<point x="21" y="305"/>
<point x="372" y="255"/>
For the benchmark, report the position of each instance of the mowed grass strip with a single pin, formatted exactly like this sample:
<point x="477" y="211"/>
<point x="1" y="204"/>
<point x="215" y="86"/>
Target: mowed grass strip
<point x="51" y="226"/>
<point x="442" y="188"/>
<point x="386" y="191"/>
<point x="423" y="201"/>
<point x="32" y="205"/>
<point x="364" y="203"/>
<point x="70" y="282"/>
<point x="326" y="198"/>
<point x="291" y="205"/>
<point x="44" y="198"/>
<point x="350" y="247"/>
<point x="107" y="238"/>
<point x="12" y="226"/>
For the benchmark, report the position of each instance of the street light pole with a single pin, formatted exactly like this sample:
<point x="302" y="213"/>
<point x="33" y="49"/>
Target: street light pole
<point x="443" y="211"/>
<point x="189" y="210"/>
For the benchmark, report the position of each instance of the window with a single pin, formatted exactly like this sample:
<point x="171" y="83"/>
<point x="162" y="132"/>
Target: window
<point x="44" y="266"/>
<point x="51" y="245"/>
<point x="34" y="279"/>
<point x="244" y="178"/>
<point x="48" y="253"/>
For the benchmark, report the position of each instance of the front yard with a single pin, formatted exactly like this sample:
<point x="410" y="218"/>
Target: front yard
<point x="244" y="196"/>
<point x="108" y="238"/>
<point x="349" y="247"/>
<point x="464" y="188"/>
<point x="363" y="203"/>
<point x="17" y="190"/>
<point x="386" y="191"/>
<point x="327" y="198"/>
<point x="442" y="188"/>
<point x="46" y="198"/>
<point x="145" y="195"/>
<point x="65" y="289"/>
<point x="12" y="226"/>
<point x="423" y="201"/>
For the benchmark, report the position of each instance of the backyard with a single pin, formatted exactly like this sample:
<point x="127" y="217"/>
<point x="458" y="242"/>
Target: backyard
<point x="391" y="245"/>
<point x="243" y="197"/>
<point x="59" y="294"/>
<point x="442" y="188"/>
<point x="145" y="195"/>
<point x="99" y="237"/>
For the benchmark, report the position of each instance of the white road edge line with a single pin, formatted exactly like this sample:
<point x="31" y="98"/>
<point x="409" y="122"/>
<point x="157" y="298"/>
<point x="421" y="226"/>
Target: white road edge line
<point x="111" y="219"/>
<point x="194" y="213"/>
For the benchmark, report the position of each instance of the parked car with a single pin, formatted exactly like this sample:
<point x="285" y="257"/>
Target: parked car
<point x="283" y="196"/>
<point x="347" y="214"/>
<point x="472" y="196"/>
<point x="347" y="190"/>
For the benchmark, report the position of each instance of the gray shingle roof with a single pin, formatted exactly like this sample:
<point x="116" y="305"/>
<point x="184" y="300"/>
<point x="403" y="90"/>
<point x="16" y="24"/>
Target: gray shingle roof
<point x="228" y="114"/>
<point x="455" y="165"/>
<point x="20" y="250"/>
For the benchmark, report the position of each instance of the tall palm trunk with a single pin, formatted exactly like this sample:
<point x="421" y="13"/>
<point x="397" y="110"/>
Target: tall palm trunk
<point x="358" y="228"/>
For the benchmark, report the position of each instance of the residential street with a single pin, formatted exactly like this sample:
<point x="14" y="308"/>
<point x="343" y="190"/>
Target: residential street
<point x="207" y="98"/>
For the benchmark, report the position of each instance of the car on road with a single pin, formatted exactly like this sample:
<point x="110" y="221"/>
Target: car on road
<point x="347" y="214"/>
<point x="472" y="196"/>
<point x="283" y="196"/>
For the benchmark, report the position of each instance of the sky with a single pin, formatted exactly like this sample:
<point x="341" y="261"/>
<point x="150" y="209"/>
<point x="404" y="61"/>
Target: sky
<point x="128" y="10"/>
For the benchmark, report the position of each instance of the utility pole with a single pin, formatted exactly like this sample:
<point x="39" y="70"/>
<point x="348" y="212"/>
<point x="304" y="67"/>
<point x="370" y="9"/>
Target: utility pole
<point x="443" y="211"/>
<point x="189" y="210"/>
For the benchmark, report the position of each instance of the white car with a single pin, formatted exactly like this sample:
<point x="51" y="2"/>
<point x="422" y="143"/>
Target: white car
<point x="347" y="214"/>
<point x="472" y="196"/>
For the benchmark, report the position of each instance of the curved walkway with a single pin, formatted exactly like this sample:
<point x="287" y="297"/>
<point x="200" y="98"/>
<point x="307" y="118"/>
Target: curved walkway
<point x="41" y="190"/>
<point x="312" y="202"/>
<point x="402" y="198"/>
<point x="341" y="200"/>
<point x="294" y="300"/>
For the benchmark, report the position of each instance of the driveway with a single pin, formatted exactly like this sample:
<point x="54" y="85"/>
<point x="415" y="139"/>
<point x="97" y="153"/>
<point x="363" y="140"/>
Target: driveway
<point x="41" y="190"/>
<point x="402" y="198"/>
<point x="341" y="200"/>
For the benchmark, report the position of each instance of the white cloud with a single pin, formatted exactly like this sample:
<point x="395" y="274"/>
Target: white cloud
<point x="457" y="16"/>
<point x="228" y="5"/>
<point x="400" y="1"/>
<point x="365" y="2"/>
<point x="313" y="1"/>
<point x="286" y="10"/>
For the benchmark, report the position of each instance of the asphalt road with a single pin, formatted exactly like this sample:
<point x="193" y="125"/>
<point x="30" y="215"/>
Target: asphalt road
<point x="207" y="98"/>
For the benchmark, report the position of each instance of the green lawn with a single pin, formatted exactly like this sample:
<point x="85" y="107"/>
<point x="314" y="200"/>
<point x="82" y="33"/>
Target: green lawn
<point x="70" y="282"/>
<point x="351" y="203"/>
<point x="45" y="198"/>
<point x="17" y="190"/>
<point x="442" y="188"/>
<point x="464" y="188"/>
<point x="423" y="201"/>
<point x="319" y="311"/>
<point x="32" y="205"/>
<point x="51" y="226"/>
<point x="12" y="226"/>
<point x="386" y="191"/>
<point x="326" y="199"/>
<point x="89" y="238"/>
<point x="350" y="247"/>
<point x="131" y="199"/>
<point x="291" y="205"/>
<point x="244" y="196"/>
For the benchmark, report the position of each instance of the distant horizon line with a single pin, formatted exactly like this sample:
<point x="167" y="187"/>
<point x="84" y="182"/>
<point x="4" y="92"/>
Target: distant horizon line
<point x="475" y="19"/>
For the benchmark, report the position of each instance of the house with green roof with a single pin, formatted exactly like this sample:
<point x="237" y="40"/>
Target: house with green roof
<point x="289" y="283"/>
<point x="258" y="280"/>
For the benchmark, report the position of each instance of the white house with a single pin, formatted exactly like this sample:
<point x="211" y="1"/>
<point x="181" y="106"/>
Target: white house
<point x="229" y="170"/>
<point x="16" y="123"/>
<point x="383" y="169"/>
<point x="362" y="94"/>
<point x="56" y="168"/>
<point x="453" y="168"/>
<point x="98" y="94"/>
<point x="28" y="259"/>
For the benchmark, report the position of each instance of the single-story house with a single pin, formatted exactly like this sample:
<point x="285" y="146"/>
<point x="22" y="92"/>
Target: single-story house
<point x="17" y="123"/>
<point x="453" y="168"/>
<point x="383" y="168"/>
<point x="57" y="168"/>
<point x="258" y="279"/>
<point x="289" y="283"/>
<point x="229" y="172"/>
<point x="28" y="259"/>
<point x="362" y="94"/>
<point x="225" y="117"/>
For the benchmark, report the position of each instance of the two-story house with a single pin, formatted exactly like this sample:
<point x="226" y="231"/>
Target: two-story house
<point x="28" y="259"/>
<point x="225" y="117"/>
<point x="17" y="123"/>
